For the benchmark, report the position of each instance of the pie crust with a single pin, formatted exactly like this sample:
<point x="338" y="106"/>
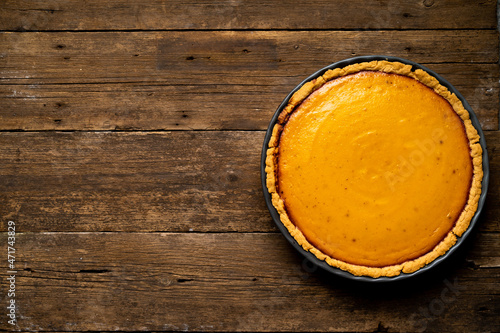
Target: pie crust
<point x="362" y="266"/>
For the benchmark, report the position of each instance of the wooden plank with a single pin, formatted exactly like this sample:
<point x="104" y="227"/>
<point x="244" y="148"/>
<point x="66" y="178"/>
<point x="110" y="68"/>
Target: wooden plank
<point x="490" y="219"/>
<point x="244" y="105"/>
<point x="263" y="14"/>
<point x="230" y="282"/>
<point x="90" y="57"/>
<point x="154" y="181"/>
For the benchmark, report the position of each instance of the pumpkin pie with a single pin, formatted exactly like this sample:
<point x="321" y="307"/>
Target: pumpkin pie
<point x="375" y="168"/>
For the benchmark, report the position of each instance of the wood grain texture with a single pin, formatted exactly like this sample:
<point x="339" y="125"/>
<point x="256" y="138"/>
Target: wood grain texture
<point x="107" y="181"/>
<point x="208" y="104"/>
<point x="130" y="140"/>
<point x="209" y="80"/>
<point x="90" y="57"/>
<point x="154" y="181"/>
<point x="171" y="281"/>
<point x="262" y="14"/>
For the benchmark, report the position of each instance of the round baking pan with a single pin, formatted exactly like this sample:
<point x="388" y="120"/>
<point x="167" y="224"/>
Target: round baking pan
<point x="337" y="271"/>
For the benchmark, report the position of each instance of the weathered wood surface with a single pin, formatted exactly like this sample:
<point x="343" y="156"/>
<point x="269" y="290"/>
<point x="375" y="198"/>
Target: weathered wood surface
<point x="100" y="57"/>
<point x="126" y="225"/>
<point x="205" y="181"/>
<point x="182" y="281"/>
<point x="244" y="105"/>
<point x="185" y="80"/>
<point x="262" y="14"/>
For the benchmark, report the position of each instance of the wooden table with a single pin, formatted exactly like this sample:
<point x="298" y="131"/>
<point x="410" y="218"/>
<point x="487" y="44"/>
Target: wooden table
<point x="130" y="144"/>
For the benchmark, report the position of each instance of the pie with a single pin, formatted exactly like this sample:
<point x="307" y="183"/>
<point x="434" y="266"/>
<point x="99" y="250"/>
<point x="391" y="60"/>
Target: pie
<point x="375" y="168"/>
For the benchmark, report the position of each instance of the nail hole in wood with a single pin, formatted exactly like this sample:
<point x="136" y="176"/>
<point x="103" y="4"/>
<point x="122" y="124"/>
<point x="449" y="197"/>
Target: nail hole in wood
<point x="428" y="3"/>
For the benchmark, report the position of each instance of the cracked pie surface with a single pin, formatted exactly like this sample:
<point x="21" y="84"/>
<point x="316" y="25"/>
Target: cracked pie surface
<point x="375" y="168"/>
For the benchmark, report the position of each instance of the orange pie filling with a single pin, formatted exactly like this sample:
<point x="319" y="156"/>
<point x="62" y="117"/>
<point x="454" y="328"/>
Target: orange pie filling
<point x="374" y="168"/>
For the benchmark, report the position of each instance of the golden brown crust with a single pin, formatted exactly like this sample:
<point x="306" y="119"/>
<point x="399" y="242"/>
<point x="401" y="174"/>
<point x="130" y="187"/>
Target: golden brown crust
<point x="475" y="150"/>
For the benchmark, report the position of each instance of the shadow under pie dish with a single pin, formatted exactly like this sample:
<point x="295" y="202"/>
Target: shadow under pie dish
<point x="373" y="167"/>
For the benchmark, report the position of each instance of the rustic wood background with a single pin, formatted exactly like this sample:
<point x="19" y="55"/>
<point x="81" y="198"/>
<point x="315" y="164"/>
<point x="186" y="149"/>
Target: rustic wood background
<point x="130" y="139"/>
